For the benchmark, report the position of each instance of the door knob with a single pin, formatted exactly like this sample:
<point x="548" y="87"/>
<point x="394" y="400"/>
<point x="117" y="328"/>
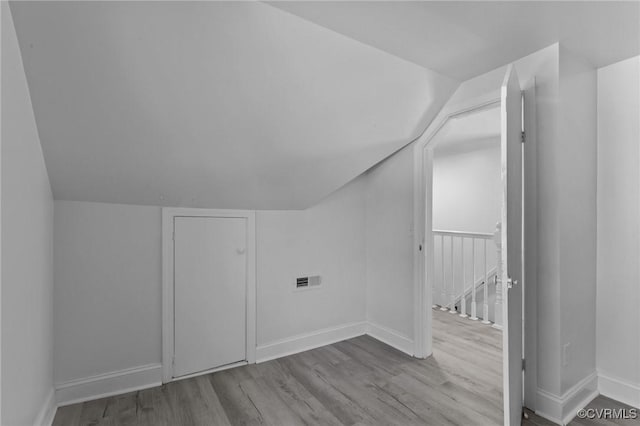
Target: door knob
<point x="240" y="251"/>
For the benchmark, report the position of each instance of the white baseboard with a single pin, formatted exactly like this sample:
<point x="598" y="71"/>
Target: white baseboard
<point x="109" y="384"/>
<point x="307" y="341"/>
<point x="146" y="376"/>
<point x="549" y="406"/>
<point x="618" y="389"/>
<point x="48" y="410"/>
<point x="390" y="337"/>
<point x="562" y="409"/>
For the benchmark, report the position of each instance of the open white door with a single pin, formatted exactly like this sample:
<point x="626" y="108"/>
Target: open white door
<point x="511" y="140"/>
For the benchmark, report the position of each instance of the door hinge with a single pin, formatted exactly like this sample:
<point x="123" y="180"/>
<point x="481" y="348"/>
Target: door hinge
<point x="173" y="362"/>
<point x="523" y="137"/>
<point x="524" y="364"/>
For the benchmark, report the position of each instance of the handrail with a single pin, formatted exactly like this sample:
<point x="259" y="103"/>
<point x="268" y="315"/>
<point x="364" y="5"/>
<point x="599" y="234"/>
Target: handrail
<point x="464" y="234"/>
<point x="450" y="291"/>
<point x="491" y="273"/>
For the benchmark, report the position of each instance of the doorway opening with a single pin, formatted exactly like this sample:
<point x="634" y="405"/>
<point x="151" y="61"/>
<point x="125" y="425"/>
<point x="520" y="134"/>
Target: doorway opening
<point x="466" y="214"/>
<point x="507" y="97"/>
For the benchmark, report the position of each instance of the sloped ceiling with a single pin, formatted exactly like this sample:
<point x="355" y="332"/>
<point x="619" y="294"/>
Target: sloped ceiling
<point x="463" y="39"/>
<point x="475" y="130"/>
<point x="211" y="104"/>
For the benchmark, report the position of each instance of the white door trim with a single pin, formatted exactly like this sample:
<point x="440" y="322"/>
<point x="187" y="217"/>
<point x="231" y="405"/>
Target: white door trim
<point x="530" y="282"/>
<point x="424" y="238"/>
<point x="423" y="235"/>
<point x="168" y="214"/>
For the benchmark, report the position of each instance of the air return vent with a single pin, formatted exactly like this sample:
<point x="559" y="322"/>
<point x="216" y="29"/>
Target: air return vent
<point x="307" y="282"/>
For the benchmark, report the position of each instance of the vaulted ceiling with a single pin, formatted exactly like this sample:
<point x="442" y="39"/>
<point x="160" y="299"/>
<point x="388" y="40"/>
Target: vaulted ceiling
<point x="476" y="130"/>
<point x="463" y="39"/>
<point x="211" y="104"/>
<point x="266" y="106"/>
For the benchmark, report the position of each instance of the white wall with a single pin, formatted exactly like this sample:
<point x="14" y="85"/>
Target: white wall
<point x="27" y="249"/>
<point x="107" y="301"/>
<point x="389" y="243"/>
<point x="467" y="197"/>
<point x="577" y="198"/>
<point x="107" y="269"/>
<point x="467" y="191"/>
<point x="618" y="276"/>
<point x="326" y="240"/>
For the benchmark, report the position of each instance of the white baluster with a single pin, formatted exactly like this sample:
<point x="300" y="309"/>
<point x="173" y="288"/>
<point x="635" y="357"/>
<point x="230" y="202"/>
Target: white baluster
<point x="436" y="281"/>
<point x="497" y="238"/>
<point x="463" y="298"/>
<point x="452" y="306"/>
<point x="443" y="290"/>
<point x="474" y="307"/>
<point x="485" y="310"/>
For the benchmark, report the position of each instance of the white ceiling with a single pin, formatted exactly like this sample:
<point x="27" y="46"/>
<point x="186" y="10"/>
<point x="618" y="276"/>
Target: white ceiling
<point x="463" y="39"/>
<point x="475" y="130"/>
<point x="266" y="106"/>
<point x="211" y="104"/>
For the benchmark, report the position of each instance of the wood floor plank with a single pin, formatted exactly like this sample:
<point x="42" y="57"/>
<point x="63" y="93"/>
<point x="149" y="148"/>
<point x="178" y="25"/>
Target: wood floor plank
<point x="330" y="355"/>
<point x="451" y="408"/>
<point x="466" y="370"/>
<point x="338" y="404"/>
<point x="153" y="409"/>
<point x="363" y="392"/>
<point x="237" y="405"/>
<point x="204" y="405"/>
<point x="178" y="404"/>
<point x="94" y="413"/>
<point x="297" y="397"/>
<point x="68" y="415"/>
<point x="121" y="409"/>
<point x="374" y="359"/>
<point x="428" y="412"/>
<point x="272" y="409"/>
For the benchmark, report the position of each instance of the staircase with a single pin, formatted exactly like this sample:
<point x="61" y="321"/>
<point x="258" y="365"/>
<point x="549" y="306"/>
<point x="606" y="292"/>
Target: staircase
<point x="467" y="271"/>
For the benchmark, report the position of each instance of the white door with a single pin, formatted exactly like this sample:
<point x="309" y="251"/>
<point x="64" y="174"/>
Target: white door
<point x="210" y="267"/>
<point x="511" y="131"/>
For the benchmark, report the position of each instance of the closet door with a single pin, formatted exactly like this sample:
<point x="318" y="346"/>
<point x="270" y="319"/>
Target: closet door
<point x="210" y="276"/>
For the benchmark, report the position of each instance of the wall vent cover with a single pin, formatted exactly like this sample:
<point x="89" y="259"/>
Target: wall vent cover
<point x="308" y="282"/>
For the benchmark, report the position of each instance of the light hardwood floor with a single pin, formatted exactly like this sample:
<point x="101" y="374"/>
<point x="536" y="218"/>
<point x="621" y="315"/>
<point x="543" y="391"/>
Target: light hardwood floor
<point x="360" y="381"/>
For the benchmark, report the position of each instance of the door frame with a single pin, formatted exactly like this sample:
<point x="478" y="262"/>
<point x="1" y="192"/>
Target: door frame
<point x="168" y="215"/>
<point x="423" y="183"/>
<point x="530" y="229"/>
<point x="423" y="203"/>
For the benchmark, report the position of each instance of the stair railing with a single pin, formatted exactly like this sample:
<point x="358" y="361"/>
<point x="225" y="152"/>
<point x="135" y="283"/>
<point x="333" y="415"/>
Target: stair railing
<point x="456" y="280"/>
